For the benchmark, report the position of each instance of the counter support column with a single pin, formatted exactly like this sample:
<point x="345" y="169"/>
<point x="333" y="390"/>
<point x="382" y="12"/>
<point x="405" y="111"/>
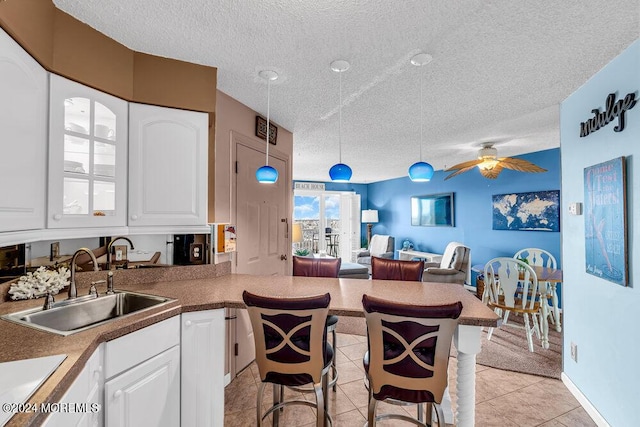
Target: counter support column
<point x="467" y="342"/>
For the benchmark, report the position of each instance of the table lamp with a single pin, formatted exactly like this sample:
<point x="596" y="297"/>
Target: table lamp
<point x="369" y="217"/>
<point x="296" y="233"/>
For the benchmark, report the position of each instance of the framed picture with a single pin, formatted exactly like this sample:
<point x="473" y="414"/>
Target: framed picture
<point x="535" y="211"/>
<point x="261" y="130"/>
<point x="434" y="210"/>
<point x="605" y="219"/>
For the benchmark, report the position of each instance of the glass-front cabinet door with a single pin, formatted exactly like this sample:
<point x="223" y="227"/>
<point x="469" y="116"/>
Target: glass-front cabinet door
<point x="87" y="157"/>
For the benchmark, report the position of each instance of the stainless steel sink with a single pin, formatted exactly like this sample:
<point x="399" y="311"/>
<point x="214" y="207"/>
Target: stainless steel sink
<point x="67" y="318"/>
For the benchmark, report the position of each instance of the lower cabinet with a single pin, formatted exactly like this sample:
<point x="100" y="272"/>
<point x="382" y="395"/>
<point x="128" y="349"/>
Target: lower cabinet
<point x="146" y="395"/>
<point x="168" y="374"/>
<point x="142" y="373"/>
<point x="202" y="379"/>
<point x="84" y="397"/>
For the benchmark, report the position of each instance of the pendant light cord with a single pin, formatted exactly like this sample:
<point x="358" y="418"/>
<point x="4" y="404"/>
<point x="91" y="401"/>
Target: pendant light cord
<point x="268" y="105"/>
<point x="340" y="120"/>
<point x="421" y="112"/>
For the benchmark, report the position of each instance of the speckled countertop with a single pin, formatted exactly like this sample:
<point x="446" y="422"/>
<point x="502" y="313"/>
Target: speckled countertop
<point x="209" y="287"/>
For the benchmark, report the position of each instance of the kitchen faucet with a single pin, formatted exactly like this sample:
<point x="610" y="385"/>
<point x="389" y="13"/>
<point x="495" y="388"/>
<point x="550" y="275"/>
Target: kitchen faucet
<point x="73" y="293"/>
<point x="110" y="245"/>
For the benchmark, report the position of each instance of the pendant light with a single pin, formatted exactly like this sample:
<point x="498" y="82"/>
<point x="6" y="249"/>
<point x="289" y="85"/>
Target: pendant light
<point x="421" y="171"/>
<point x="340" y="172"/>
<point x="267" y="174"/>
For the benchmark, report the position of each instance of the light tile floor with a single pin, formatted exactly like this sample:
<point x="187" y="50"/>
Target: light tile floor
<point x="503" y="398"/>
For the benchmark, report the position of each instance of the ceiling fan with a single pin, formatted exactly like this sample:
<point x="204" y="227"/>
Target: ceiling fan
<point x="490" y="165"/>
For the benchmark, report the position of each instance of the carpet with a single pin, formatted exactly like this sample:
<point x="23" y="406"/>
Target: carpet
<point x="507" y="350"/>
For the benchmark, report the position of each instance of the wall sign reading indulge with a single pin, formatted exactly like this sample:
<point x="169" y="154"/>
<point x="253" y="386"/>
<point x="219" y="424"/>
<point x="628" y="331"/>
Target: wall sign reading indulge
<point x="614" y="109"/>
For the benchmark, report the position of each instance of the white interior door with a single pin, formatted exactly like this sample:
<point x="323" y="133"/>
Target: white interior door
<point x="263" y="242"/>
<point x="261" y="215"/>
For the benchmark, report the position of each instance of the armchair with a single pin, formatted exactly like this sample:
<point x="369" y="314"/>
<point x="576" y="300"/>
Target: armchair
<point x="455" y="266"/>
<point x="381" y="246"/>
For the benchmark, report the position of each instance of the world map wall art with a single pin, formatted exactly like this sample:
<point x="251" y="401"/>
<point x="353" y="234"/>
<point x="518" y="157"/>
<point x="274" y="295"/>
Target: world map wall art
<point x="535" y="211"/>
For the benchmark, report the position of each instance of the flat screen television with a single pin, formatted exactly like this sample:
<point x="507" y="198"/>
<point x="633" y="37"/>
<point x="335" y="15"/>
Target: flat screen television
<point x="433" y="210"/>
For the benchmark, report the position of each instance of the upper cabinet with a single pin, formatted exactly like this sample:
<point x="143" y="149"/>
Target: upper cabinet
<point x="87" y="157"/>
<point x="167" y="166"/>
<point x="23" y="138"/>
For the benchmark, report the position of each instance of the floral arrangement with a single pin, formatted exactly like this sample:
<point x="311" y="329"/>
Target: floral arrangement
<point x="38" y="283"/>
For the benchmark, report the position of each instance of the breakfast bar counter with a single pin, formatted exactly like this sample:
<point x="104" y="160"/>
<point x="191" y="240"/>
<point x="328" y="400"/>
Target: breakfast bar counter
<point x="19" y="342"/>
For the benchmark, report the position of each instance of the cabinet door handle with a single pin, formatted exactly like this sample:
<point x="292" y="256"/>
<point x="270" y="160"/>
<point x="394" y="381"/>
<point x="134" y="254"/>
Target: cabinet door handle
<point x="134" y="217"/>
<point x="188" y="323"/>
<point x="57" y="217"/>
<point x="117" y="394"/>
<point x="283" y="257"/>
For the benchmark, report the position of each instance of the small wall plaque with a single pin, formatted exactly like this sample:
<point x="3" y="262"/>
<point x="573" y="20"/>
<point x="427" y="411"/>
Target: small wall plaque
<point x="261" y="130"/>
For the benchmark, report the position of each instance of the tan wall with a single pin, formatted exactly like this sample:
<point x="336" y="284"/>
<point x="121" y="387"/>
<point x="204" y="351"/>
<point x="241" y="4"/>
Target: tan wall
<point x="165" y="81"/>
<point x="30" y="23"/>
<point x="232" y="115"/>
<point x="85" y="55"/>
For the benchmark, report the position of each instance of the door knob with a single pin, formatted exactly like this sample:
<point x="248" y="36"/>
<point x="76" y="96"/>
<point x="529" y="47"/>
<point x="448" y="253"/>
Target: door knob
<point x="283" y="257"/>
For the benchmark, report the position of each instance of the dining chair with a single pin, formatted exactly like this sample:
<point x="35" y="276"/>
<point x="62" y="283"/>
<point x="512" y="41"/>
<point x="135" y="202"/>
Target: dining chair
<point x="542" y="258"/>
<point x="511" y="285"/>
<point x="291" y="350"/>
<point x="408" y="356"/>
<point x="322" y="267"/>
<point x="394" y="269"/>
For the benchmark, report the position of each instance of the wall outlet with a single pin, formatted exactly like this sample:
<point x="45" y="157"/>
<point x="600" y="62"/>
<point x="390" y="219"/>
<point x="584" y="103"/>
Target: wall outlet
<point x="574" y="352"/>
<point x="196" y="252"/>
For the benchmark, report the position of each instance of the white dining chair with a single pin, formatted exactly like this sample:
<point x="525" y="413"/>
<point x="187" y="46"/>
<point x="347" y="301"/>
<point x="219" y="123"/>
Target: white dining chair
<point x="511" y="285"/>
<point x="542" y="258"/>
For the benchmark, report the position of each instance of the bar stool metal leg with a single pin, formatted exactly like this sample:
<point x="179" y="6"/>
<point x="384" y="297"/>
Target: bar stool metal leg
<point x="334" y="370"/>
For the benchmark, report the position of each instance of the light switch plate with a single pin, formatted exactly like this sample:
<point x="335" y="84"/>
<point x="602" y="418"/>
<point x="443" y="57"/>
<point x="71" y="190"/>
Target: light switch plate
<point x="575" y="208"/>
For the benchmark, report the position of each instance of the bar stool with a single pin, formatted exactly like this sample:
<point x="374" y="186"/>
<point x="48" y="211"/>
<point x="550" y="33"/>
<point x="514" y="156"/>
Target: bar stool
<point x="408" y="355"/>
<point x="393" y="269"/>
<point x="321" y="267"/>
<point x="291" y="349"/>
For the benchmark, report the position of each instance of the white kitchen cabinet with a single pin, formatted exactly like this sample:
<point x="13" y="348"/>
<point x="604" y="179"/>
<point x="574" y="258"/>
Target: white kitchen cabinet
<point x="202" y="376"/>
<point x="146" y="395"/>
<point x="87" y="157"/>
<point x="142" y="370"/>
<point x="167" y="166"/>
<point x="84" y="397"/>
<point x="24" y="95"/>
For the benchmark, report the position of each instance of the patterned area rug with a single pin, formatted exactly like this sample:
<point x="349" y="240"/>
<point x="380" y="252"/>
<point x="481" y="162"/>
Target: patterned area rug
<point x="507" y="349"/>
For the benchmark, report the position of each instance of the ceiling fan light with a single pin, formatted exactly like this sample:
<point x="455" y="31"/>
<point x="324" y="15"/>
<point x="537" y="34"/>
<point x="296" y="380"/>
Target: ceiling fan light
<point x="488" y="164"/>
<point x="266" y="175"/>
<point x="421" y="172"/>
<point x="487" y="152"/>
<point x="340" y="173"/>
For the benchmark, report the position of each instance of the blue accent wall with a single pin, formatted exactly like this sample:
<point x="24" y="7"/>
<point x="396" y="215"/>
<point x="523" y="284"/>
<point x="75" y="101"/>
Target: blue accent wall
<point x="602" y="317"/>
<point x="473" y="214"/>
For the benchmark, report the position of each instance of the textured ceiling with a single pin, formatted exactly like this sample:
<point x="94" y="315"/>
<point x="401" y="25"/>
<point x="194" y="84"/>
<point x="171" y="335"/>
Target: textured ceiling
<point x="499" y="72"/>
